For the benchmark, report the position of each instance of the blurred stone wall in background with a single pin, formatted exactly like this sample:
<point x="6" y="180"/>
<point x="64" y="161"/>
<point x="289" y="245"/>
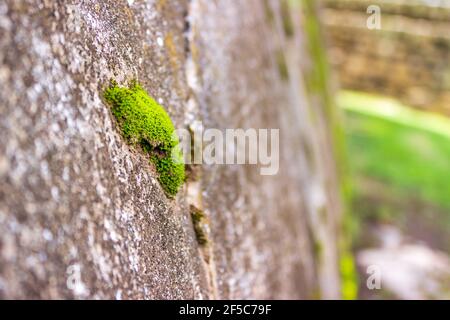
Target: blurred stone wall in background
<point x="82" y="214"/>
<point x="408" y="58"/>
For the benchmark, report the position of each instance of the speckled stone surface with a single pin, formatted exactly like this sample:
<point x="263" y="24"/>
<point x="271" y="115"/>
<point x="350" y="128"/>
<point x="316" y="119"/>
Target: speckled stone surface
<point x="82" y="214"/>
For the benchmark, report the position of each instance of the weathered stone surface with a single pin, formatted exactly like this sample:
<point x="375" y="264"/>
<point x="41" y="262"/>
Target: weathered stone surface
<point x="82" y="214"/>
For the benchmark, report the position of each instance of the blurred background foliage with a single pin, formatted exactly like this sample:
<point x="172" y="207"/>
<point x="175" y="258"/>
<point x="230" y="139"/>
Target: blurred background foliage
<point x="399" y="157"/>
<point x="393" y="88"/>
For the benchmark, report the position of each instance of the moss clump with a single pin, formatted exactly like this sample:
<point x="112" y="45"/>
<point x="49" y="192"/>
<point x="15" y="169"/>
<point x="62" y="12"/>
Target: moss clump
<point x="198" y="218"/>
<point x="146" y="124"/>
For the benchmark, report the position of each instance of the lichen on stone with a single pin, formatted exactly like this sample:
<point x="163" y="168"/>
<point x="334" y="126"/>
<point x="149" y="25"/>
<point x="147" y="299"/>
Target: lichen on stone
<point x="198" y="219"/>
<point x="288" y="24"/>
<point x="282" y="66"/>
<point x="144" y="123"/>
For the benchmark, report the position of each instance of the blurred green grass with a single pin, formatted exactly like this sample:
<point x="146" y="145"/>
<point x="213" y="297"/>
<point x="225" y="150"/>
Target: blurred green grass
<point x="407" y="150"/>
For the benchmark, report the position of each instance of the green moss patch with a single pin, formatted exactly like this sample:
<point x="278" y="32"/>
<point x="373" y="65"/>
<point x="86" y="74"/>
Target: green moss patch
<point x="198" y="219"/>
<point x="145" y="123"/>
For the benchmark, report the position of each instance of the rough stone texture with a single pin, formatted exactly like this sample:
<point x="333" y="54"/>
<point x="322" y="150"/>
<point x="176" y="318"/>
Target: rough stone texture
<point x="408" y="57"/>
<point x="82" y="214"/>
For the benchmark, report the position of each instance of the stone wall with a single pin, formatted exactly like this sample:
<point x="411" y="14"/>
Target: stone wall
<point x="408" y="58"/>
<point x="82" y="214"/>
